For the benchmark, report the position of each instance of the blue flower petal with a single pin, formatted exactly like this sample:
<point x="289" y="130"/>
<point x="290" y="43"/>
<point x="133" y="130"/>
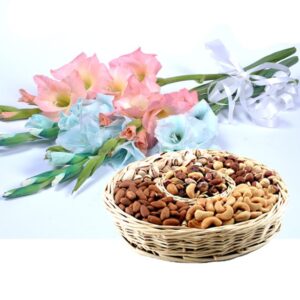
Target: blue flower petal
<point x="125" y="154"/>
<point x="195" y="129"/>
<point x="39" y="122"/>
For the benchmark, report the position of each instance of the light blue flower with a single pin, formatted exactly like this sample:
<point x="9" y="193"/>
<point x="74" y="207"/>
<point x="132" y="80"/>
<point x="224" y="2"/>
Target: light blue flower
<point x="63" y="158"/>
<point x="83" y="107"/>
<point x="194" y="129"/>
<point x="39" y="122"/>
<point x="80" y="129"/>
<point x="203" y="112"/>
<point x="125" y="154"/>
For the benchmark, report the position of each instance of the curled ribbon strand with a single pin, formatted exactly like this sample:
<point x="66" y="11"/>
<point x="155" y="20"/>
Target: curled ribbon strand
<point x="279" y="93"/>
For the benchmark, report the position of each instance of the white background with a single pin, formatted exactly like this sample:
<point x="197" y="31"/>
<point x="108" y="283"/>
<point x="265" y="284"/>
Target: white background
<point x="39" y="35"/>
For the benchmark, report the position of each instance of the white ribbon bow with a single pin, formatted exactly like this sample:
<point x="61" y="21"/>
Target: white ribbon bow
<point x="278" y="92"/>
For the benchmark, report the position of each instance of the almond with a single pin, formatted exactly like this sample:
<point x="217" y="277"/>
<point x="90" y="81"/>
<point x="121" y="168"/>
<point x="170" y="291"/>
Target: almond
<point x="171" y="222"/>
<point x="141" y="195"/>
<point x="125" y="201"/>
<point x="144" y="211"/>
<point x="130" y="195"/>
<point x="120" y="194"/>
<point x="172" y="189"/>
<point x="158" y="204"/>
<point x="165" y="213"/>
<point x="136" y="206"/>
<point x="154" y="220"/>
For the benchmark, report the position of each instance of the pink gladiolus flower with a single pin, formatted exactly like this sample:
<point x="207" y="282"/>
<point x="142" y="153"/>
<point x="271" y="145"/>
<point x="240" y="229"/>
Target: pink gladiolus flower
<point x="136" y="99"/>
<point x="118" y="81"/>
<point x="26" y="97"/>
<point x="94" y="75"/>
<point x="54" y="96"/>
<point x="141" y="141"/>
<point x="128" y="133"/>
<point x="143" y="66"/>
<point x="171" y="104"/>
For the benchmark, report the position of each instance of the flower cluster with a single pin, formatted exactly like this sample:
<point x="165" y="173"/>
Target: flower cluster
<point x="118" y="113"/>
<point x="92" y="103"/>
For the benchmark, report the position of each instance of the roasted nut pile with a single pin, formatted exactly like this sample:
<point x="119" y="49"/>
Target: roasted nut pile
<point x="246" y="202"/>
<point x="194" y="181"/>
<point x="142" y="199"/>
<point x="241" y="171"/>
<point x="148" y="193"/>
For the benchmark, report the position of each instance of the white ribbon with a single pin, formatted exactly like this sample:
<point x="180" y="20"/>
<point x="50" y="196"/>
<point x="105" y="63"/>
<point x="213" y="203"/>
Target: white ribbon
<point x="279" y="92"/>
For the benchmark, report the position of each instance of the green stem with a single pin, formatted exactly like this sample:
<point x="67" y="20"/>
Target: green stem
<point x="26" y="137"/>
<point x="274" y="57"/>
<point x="45" y="180"/>
<point x="195" y="77"/>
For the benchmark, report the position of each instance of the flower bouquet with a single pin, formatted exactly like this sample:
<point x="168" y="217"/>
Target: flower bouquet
<point x="93" y="114"/>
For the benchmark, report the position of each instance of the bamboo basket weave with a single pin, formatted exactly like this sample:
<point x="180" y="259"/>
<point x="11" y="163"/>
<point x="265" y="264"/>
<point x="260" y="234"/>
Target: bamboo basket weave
<point x="183" y="244"/>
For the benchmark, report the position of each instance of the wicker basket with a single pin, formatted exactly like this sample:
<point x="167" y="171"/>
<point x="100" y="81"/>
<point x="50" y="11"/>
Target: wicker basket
<point x="183" y="244"/>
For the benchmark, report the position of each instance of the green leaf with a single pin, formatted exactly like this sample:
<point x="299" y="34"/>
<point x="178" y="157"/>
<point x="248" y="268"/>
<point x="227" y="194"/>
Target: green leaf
<point x="89" y="170"/>
<point x="57" y="148"/>
<point x="45" y="180"/>
<point x="136" y="122"/>
<point x="17" y="139"/>
<point x="274" y="57"/>
<point x="25" y="190"/>
<point x="96" y="161"/>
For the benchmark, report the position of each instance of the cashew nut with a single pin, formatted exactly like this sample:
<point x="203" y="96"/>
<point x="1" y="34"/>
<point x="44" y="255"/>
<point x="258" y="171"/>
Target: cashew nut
<point x="242" y="216"/>
<point x="201" y="215"/>
<point x="226" y="215"/>
<point x="255" y="214"/>
<point x="241" y="206"/>
<point x="210" y="205"/>
<point x="194" y="223"/>
<point x="201" y="202"/>
<point x="236" y="194"/>
<point x="253" y="206"/>
<point x="207" y="222"/>
<point x="219" y="206"/>
<point x="254" y="191"/>
<point x="260" y="200"/>
<point x="190" y="190"/>
<point x="267" y="209"/>
<point x="191" y="211"/>
<point x="272" y="199"/>
<point x="230" y="201"/>
<point x="229" y="222"/>
<point x="243" y="189"/>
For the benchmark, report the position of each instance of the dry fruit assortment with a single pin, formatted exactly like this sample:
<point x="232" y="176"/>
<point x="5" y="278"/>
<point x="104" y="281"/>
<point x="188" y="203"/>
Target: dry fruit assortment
<point x="203" y="179"/>
<point x="194" y="181"/>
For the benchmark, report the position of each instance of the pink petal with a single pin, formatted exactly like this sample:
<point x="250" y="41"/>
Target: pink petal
<point x="128" y="133"/>
<point x="143" y="66"/>
<point x="141" y="141"/>
<point x="65" y="70"/>
<point x="26" y="97"/>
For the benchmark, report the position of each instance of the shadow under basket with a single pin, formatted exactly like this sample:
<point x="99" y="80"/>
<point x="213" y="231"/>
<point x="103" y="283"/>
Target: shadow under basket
<point x="184" y="244"/>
